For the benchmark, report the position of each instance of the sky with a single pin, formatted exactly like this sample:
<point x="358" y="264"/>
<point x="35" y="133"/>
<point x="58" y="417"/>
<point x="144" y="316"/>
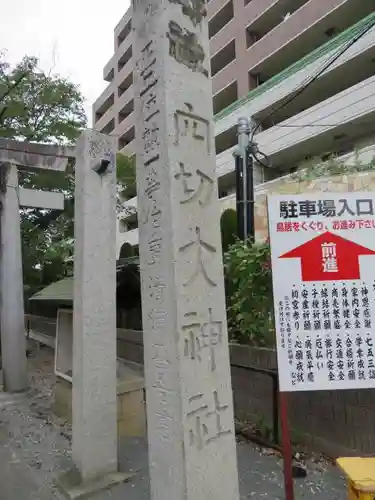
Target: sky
<point x="74" y="37"/>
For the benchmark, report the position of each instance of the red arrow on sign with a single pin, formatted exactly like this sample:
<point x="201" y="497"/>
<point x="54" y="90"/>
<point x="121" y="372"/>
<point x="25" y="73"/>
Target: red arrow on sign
<point x="329" y="257"/>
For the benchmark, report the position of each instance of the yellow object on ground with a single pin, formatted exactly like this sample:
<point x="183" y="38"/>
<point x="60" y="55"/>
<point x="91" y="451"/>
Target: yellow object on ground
<point x="361" y="477"/>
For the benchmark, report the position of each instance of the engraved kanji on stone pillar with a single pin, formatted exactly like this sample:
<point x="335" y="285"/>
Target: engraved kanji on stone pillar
<point x="187" y="369"/>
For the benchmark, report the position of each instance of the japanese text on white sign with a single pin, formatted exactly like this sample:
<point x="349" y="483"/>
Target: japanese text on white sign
<point x="323" y="264"/>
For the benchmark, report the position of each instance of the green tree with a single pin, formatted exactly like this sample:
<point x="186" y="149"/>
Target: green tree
<point x="126" y="177"/>
<point x="36" y="106"/>
<point x="249" y="293"/>
<point x="39" y="107"/>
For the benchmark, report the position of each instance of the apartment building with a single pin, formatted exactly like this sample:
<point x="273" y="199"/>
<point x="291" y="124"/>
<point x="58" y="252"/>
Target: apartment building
<point x="262" y="51"/>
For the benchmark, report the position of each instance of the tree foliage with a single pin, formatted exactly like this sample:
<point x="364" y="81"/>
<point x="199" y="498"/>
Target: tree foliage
<point x="36" y="106"/>
<point x="39" y="107"/>
<point x="126" y="177"/>
<point x="249" y="293"/>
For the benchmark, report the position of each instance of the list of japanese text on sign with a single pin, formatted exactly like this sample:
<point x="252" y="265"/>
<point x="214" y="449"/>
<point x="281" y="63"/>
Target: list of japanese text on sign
<point x="324" y="289"/>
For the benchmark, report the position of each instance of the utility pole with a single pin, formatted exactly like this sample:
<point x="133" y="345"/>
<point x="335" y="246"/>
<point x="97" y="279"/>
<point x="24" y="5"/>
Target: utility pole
<point x="244" y="161"/>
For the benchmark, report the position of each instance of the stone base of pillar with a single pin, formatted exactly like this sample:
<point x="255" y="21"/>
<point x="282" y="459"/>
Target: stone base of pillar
<point x="131" y="412"/>
<point x="7" y="398"/>
<point x="73" y="488"/>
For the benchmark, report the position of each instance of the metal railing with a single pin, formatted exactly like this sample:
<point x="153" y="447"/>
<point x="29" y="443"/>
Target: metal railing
<point x="275" y="395"/>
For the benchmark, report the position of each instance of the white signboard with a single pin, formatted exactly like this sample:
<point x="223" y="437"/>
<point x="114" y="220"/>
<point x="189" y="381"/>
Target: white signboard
<point x="323" y="265"/>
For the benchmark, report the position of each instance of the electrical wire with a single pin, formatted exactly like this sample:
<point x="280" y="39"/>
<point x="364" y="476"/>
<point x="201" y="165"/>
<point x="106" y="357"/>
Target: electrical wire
<point x="309" y="125"/>
<point x="261" y="162"/>
<point x="312" y="79"/>
<point x="256" y="152"/>
<point x="316" y="125"/>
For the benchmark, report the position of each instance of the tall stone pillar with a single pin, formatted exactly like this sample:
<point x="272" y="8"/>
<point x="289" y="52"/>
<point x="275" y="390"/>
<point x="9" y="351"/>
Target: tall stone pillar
<point x="12" y="324"/>
<point x="94" y="317"/>
<point x="191" y="437"/>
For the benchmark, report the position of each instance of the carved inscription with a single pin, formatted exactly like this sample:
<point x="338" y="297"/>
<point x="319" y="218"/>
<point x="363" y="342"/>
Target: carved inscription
<point x="191" y="125"/>
<point x="150" y="214"/>
<point x="206" y="421"/>
<point x="157" y="318"/>
<point x="162" y="367"/>
<point x="202" y="335"/>
<point x="155" y="245"/>
<point x="156" y="288"/>
<point x="202" y="192"/>
<point x="199" y="246"/>
<point x="99" y="147"/>
<point x="145" y="10"/>
<point x="151" y="142"/>
<point x="194" y="9"/>
<point x="164" y="418"/>
<point x="152" y="183"/>
<point x="146" y="67"/>
<point x="185" y="48"/>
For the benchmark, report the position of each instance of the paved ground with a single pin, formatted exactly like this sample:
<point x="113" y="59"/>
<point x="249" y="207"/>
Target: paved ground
<point x="35" y="447"/>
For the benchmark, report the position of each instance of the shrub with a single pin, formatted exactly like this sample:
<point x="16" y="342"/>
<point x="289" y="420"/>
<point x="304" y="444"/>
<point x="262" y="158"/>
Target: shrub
<point x="228" y="227"/>
<point x="249" y="293"/>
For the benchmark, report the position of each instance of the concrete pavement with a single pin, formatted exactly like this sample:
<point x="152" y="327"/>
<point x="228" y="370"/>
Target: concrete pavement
<point x="35" y="449"/>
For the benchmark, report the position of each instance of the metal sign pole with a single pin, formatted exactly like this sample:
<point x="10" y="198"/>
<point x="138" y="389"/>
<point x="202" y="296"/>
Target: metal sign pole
<point x="286" y="447"/>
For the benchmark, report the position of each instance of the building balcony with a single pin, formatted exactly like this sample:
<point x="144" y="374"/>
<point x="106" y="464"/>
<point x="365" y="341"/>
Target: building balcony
<point x="126" y="96"/>
<point x="213" y="6"/>
<point x="109" y="70"/>
<point x="261" y="17"/>
<point x="125" y="71"/>
<point x="125" y="106"/>
<point x="126" y="124"/>
<point x="106" y="123"/>
<point x="124" y="45"/>
<point x="104" y="102"/>
<point x="301" y="33"/>
<point x="121" y="29"/>
<point x="223" y="37"/>
<point x="346" y="116"/>
<point x="224" y="77"/>
<point x="355" y="63"/>
<point x="129" y="149"/>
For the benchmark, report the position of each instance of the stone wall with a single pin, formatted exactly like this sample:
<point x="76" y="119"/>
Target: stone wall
<point x="339" y="422"/>
<point x="336" y="423"/>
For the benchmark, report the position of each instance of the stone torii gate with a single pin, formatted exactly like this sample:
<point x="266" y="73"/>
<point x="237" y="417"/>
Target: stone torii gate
<point x="14" y="156"/>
